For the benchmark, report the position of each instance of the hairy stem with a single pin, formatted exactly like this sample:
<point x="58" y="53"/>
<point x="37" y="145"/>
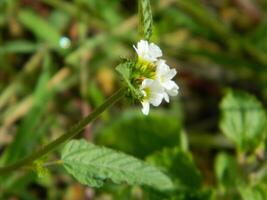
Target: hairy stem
<point x="28" y="160"/>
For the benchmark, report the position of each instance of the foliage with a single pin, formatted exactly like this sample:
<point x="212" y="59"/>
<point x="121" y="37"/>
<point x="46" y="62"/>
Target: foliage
<point x="243" y="119"/>
<point x="226" y="171"/>
<point x="186" y="176"/>
<point x="93" y="165"/>
<point x="145" y="135"/>
<point x="57" y="65"/>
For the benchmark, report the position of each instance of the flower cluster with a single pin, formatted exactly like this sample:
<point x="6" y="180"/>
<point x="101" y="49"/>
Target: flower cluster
<point x="156" y="76"/>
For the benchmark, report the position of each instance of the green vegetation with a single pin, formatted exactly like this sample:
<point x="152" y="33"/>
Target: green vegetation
<point x="65" y="64"/>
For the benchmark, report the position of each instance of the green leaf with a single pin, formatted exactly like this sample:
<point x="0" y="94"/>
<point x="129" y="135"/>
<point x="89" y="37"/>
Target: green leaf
<point x="19" y="46"/>
<point x="189" y="194"/>
<point x="243" y="119"/>
<point x="106" y="10"/>
<point x="179" y="166"/>
<point x="145" y="18"/>
<point x="93" y="165"/>
<point x="87" y="46"/>
<point x="140" y="135"/>
<point x="40" y="27"/>
<point x="26" y="137"/>
<point x="226" y="170"/>
<point x="257" y="192"/>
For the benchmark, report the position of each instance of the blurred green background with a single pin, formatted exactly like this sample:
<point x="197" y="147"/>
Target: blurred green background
<point x="57" y="63"/>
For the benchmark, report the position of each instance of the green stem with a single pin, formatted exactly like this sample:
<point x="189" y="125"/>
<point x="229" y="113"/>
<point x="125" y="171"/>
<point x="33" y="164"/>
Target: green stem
<point x="56" y="162"/>
<point x="68" y="135"/>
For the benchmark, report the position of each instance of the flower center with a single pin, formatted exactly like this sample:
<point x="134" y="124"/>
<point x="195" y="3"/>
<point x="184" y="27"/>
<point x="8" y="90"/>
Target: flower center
<point x="146" y="69"/>
<point x="146" y="93"/>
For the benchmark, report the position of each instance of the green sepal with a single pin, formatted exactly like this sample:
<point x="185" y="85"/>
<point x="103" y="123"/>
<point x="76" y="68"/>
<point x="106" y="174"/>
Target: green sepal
<point x="126" y="70"/>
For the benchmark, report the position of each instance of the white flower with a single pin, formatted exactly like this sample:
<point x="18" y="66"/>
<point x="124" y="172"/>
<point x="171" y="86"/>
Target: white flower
<point x="147" y="51"/>
<point x="153" y="94"/>
<point x="157" y="76"/>
<point x="164" y="76"/>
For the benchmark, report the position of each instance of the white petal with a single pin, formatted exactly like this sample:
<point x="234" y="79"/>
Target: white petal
<point x="162" y="67"/>
<point x="145" y="108"/>
<point x="173" y="91"/>
<point x="156" y="87"/>
<point x="171" y="73"/>
<point x="168" y="85"/>
<point x="154" y="51"/>
<point x="142" y="48"/>
<point x="166" y="97"/>
<point x="156" y="99"/>
<point x="146" y="83"/>
<point x="149" y="52"/>
<point x="142" y="45"/>
<point x="137" y="51"/>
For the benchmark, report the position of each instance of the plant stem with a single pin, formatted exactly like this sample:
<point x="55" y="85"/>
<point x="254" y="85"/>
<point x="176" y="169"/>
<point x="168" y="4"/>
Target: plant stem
<point x="73" y="131"/>
<point x="56" y="162"/>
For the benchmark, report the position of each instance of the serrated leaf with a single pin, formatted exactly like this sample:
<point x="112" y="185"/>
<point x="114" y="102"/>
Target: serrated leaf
<point x="243" y="119"/>
<point x="93" y="165"/>
<point x="145" y="18"/>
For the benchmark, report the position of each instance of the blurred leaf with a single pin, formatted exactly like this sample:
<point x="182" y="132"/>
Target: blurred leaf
<point x="107" y="10"/>
<point x="258" y="36"/>
<point x="40" y="27"/>
<point x="93" y="165"/>
<point x="243" y="119"/>
<point x="85" y="48"/>
<point x="226" y="170"/>
<point x="95" y="94"/>
<point x="179" y="166"/>
<point x="226" y="59"/>
<point x="145" y="19"/>
<point x="253" y="193"/>
<point x="178" y="19"/>
<point x="180" y="195"/>
<point x="201" y="15"/>
<point x="18" y="185"/>
<point x="59" y="20"/>
<point x="25" y="137"/>
<point x="140" y="135"/>
<point x="19" y="46"/>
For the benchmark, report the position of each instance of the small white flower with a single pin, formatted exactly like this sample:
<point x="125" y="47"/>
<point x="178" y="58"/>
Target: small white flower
<point x="157" y="76"/>
<point x="164" y="75"/>
<point x="147" y="51"/>
<point x="153" y="94"/>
